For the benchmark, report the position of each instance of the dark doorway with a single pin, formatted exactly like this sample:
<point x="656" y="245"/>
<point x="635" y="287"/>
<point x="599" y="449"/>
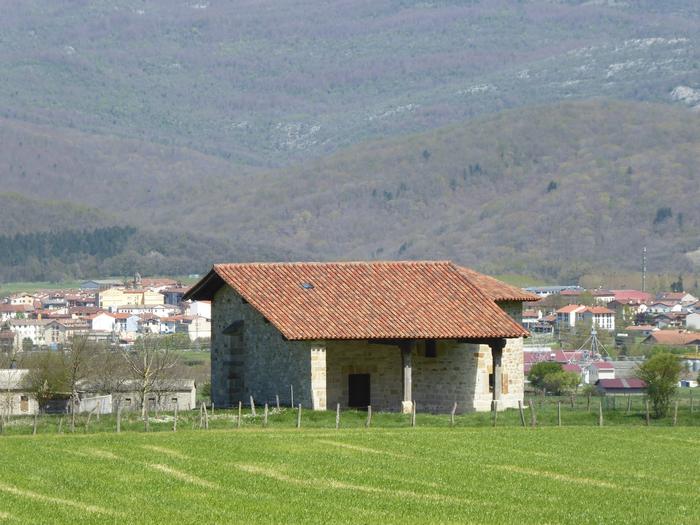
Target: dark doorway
<point x="358" y="391"/>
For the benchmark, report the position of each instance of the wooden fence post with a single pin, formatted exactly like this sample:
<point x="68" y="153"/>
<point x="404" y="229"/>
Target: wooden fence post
<point x="175" y="419"/>
<point x="93" y="411"/>
<point x="212" y="409"/>
<point x="368" y="423"/>
<point x="119" y="418"/>
<point x="452" y="415"/>
<point x="34" y="426"/>
<point x="201" y="415"/>
<point x="146" y="421"/>
<point x="240" y="413"/>
<point x="588" y="402"/>
<point x="277" y="400"/>
<point x="494" y="411"/>
<point x="629" y="404"/>
<point x="533" y="413"/>
<point x="337" y="416"/>
<point x="573" y="401"/>
<point x="299" y="417"/>
<point x="60" y="426"/>
<point x="522" y="413"/>
<point x="206" y="417"/>
<point x="675" y="414"/>
<point x="413" y="414"/>
<point x="252" y="407"/>
<point x="558" y="413"/>
<point x="647" y="412"/>
<point x="691" y="400"/>
<point x="291" y="395"/>
<point x="265" y="416"/>
<point x="600" y="414"/>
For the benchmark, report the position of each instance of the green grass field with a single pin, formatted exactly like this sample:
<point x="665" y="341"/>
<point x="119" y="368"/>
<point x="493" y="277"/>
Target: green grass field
<point x="393" y="474"/>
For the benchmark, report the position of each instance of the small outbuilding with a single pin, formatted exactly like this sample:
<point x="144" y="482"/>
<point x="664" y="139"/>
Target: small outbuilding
<point x="385" y="334"/>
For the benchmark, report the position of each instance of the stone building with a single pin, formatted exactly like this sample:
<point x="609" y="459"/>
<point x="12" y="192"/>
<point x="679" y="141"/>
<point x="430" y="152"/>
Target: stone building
<point x="385" y="334"/>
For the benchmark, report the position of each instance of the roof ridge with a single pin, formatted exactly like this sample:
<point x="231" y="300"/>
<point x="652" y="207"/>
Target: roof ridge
<point x="340" y="263"/>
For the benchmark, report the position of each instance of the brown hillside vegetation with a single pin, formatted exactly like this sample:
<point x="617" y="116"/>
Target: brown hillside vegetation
<point x="552" y="191"/>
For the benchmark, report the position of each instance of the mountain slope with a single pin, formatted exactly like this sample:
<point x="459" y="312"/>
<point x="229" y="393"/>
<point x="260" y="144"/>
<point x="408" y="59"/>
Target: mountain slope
<point x="266" y="83"/>
<point x="552" y="191"/>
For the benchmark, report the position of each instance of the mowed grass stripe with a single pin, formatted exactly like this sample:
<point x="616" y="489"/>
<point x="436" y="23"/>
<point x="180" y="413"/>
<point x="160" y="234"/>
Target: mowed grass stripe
<point x="419" y="475"/>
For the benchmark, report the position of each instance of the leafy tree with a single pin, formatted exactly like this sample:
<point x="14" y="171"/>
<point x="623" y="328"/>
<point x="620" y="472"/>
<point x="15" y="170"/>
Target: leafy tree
<point x="660" y="373"/>
<point x="677" y="286"/>
<point x="539" y="371"/>
<point x="47" y="378"/>
<point x="561" y="382"/>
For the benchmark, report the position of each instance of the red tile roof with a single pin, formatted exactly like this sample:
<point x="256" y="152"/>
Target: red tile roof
<point x="495" y="289"/>
<point x="364" y="300"/>
<point x="571" y="308"/>
<point x="673" y="338"/>
<point x="603" y="365"/>
<point x="632" y="295"/>
<point x="599" y="310"/>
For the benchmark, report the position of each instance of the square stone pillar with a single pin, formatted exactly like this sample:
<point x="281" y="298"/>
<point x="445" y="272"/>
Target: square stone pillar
<point x="497" y="346"/>
<point x="318" y="376"/>
<point x="407" y="366"/>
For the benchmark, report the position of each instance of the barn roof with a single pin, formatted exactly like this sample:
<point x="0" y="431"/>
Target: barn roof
<point x="364" y="300"/>
<point x="495" y="289"/>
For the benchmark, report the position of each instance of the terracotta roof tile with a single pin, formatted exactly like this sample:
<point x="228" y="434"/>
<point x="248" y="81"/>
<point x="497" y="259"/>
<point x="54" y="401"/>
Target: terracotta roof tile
<point x="364" y="300"/>
<point x="495" y="289"/>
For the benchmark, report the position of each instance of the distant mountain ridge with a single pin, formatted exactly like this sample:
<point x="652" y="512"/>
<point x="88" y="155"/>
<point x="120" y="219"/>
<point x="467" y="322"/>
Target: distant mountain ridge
<point x="269" y="85"/>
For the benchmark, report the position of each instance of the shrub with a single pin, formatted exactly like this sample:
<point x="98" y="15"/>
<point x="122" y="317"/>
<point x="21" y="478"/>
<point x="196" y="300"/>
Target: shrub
<point x="660" y="373"/>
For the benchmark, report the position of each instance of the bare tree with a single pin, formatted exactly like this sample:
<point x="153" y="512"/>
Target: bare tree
<point x="78" y="361"/>
<point x="110" y="373"/>
<point x="11" y="376"/>
<point x="151" y="363"/>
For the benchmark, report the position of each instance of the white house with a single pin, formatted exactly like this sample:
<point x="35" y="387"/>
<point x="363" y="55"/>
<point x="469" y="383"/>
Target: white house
<point x="14" y="396"/>
<point x="598" y="316"/>
<point x="600" y="370"/>
<point x="102" y="322"/>
<point x="41" y="332"/>
<point x="199" y="308"/>
<point x="567" y="316"/>
<point x="692" y="321"/>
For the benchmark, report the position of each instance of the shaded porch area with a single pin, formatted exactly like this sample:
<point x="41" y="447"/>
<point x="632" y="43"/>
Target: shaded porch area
<point x="390" y="375"/>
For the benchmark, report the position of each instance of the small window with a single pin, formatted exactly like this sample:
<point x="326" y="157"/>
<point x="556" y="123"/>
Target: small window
<point x="174" y="400"/>
<point x="127" y="401"/>
<point x="430" y="348"/>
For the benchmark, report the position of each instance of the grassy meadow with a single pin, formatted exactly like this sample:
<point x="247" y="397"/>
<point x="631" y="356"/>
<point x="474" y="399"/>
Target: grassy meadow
<point x="389" y="473"/>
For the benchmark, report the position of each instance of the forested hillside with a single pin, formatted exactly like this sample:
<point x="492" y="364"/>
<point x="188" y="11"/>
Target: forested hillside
<point x="544" y="137"/>
<point x="554" y="191"/>
<point x="264" y="82"/>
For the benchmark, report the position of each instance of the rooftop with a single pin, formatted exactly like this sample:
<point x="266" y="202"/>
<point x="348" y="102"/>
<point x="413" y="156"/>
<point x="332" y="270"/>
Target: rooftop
<point x="366" y="300"/>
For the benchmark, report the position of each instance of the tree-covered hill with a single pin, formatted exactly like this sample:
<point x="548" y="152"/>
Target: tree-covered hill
<point x="265" y="83"/>
<point x="553" y="191"/>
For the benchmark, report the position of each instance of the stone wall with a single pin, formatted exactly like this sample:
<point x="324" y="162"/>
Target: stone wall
<point x="255" y="360"/>
<point x="458" y="373"/>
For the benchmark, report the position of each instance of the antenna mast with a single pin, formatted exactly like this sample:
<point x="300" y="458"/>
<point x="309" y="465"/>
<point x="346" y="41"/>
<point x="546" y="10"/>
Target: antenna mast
<point x="644" y="269"/>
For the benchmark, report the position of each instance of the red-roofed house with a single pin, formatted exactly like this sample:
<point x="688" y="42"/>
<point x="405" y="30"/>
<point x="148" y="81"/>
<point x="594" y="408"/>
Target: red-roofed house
<point x="599" y="316"/>
<point x="385" y="334"/>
